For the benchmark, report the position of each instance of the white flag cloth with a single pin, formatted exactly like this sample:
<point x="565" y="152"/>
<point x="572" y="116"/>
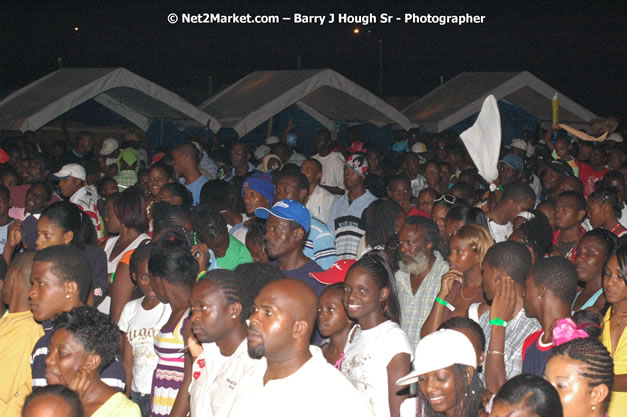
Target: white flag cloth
<point x="483" y="140"/>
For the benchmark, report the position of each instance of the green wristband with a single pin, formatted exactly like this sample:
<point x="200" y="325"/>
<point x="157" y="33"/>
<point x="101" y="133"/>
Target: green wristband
<point x="445" y="303"/>
<point x="498" y="322"/>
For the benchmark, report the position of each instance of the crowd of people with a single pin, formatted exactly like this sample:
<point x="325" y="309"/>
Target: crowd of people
<point x="227" y="279"/>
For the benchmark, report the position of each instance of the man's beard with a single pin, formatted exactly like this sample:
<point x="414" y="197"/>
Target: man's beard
<point x="256" y="352"/>
<point x="414" y="266"/>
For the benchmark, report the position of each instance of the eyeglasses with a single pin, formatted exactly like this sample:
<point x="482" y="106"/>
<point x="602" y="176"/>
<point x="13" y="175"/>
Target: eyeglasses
<point x="449" y="198"/>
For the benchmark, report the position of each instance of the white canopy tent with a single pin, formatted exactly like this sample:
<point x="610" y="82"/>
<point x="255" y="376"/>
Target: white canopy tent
<point x="132" y="97"/>
<point x="463" y="95"/>
<point x="324" y="94"/>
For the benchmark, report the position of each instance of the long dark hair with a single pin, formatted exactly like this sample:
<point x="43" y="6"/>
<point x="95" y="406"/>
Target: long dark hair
<point x="469" y="395"/>
<point x="378" y="267"/>
<point x="69" y="217"/>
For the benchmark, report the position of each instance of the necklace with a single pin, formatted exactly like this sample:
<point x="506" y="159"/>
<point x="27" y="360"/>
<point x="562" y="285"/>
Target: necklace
<point x="461" y="292"/>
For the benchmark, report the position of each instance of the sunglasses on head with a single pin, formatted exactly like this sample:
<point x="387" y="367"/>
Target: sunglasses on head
<point x="449" y="198"/>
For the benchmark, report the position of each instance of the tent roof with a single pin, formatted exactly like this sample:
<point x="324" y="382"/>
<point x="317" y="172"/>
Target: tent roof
<point x="323" y="94"/>
<point x="134" y="98"/>
<point x="462" y="96"/>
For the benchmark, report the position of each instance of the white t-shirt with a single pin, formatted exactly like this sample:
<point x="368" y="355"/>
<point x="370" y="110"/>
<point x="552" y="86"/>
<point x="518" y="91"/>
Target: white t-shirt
<point x="316" y="389"/>
<point x="141" y="326"/>
<point x="500" y="232"/>
<point x="366" y="359"/>
<point x="332" y="169"/>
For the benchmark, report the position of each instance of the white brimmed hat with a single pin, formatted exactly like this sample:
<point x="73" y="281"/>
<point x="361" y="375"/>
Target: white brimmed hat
<point x="439" y="350"/>
<point x="71" y="170"/>
<point x="109" y="145"/>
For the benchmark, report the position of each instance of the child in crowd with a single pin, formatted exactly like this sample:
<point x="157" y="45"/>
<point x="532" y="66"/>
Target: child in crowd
<point x="140" y="321"/>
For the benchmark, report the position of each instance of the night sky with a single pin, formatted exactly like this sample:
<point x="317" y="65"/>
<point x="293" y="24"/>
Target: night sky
<point x="577" y="47"/>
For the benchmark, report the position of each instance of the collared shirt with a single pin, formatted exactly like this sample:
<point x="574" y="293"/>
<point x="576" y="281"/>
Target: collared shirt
<point x="415" y="308"/>
<point x="214" y="391"/>
<point x="345" y="223"/>
<point x="320" y="245"/>
<point x="517" y="330"/>
<point x="319" y="203"/>
<point x="316" y="389"/>
<point x="86" y="198"/>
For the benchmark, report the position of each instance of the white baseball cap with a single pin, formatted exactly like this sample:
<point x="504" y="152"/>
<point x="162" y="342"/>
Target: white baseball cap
<point x="519" y="144"/>
<point x="261" y="151"/>
<point x="71" y="170"/>
<point x="272" y="140"/>
<point x="418" y="147"/>
<point x="109" y="145"/>
<point x="439" y="350"/>
<point x="616" y="137"/>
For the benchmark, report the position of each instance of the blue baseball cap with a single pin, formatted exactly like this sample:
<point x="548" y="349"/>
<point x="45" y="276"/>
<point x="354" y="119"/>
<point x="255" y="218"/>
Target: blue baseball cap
<point x="287" y="210"/>
<point x="514" y="161"/>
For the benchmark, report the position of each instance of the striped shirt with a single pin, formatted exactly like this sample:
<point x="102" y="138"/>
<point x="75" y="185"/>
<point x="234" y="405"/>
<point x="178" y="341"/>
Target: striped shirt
<point x="320" y="245"/>
<point x="170" y="370"/>
<point x="113" y="374"/>
<point x="517" y="330"/>
<point x="415" y="308"/>
<point x="345" y="223"/>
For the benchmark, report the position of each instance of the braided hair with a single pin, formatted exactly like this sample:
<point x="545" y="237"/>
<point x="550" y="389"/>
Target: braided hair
<point x="232" y="286"/>
<point x="599" y="365"/>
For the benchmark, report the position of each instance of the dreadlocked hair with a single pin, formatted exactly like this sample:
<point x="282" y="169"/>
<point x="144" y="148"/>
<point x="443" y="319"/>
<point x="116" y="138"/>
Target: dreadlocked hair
<point x="599" y="365"/>
<point x="232" y="286"/>
<point x="469" y="394"/>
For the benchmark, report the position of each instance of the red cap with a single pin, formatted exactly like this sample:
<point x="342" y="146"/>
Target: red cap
<point x="336" y="273"/>
<point x="4" y="157"/>
<point x="415" y="212"/>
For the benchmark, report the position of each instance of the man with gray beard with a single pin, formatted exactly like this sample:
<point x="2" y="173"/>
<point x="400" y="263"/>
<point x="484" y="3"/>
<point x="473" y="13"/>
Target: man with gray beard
<point x="422" y="264"/>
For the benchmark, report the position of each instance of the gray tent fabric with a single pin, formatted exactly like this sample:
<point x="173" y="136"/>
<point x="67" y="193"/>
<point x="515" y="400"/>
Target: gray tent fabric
<point x="324" y="94"/>
<point x="132" y="97"/>
<point x="463" y="95"/>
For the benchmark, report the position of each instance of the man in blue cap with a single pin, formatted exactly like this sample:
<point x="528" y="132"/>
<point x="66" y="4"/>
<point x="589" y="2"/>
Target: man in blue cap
<point x="287" y="226"/>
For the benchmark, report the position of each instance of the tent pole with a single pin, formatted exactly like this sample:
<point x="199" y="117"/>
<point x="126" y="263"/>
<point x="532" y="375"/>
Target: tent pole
<point x="270" y="123"/>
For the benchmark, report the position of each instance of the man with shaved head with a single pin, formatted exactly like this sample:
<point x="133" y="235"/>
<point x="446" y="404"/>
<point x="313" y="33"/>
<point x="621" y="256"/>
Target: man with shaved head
<point x="296" y="379"/>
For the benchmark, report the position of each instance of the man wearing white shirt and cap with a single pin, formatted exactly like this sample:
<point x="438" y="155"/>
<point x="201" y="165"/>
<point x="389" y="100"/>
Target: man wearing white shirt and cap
<point x="296" y="380"/>
<point x="72" y="185"/>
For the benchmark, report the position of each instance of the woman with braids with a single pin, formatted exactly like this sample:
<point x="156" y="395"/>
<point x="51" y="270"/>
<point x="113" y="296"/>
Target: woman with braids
<point x="604" y="210"/>
<point x="614" y="337"/>
<point x="595" y="248"/>
<point x="462" y="285"/>
<point x="445" y="367"/>
<point x="220" y="305"/>
<point x="83" y="342"/>
<point x="582" y="372"/>
<point x="173" y="271"/>
<point x="527" y="396"/>
<point x="378" y="352"/>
